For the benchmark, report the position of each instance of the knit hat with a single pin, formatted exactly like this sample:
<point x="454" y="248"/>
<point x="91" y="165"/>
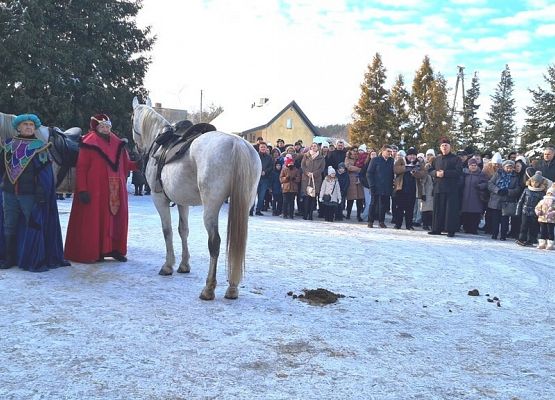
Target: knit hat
<point x="420" y="155"/>
<point x="523" y="159"/>
<point x="341" y="165"/>
<point x="496" y="159"/>
<point x="362" y="147"/>
<point x="472" y="161"/>
<point x="508" y="162"/>
<point x="331" y="170"/>
<point x="401" y="153"/>
<point x="26" y="117"/>
<point x="430" y="152"/>
<point x="325" y="144"/>
<point x="537" y="177"/>
<point x="288" y="161"/>
<point x="411" y="150"/>
<point x="98" y="119"/>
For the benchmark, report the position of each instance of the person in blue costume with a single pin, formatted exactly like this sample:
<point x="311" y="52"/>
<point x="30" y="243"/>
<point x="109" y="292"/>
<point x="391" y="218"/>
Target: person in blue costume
<point x="32" y="236"/>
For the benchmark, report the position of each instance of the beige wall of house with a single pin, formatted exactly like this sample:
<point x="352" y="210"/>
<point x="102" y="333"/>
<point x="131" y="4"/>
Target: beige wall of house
<point x="289" y="127"/>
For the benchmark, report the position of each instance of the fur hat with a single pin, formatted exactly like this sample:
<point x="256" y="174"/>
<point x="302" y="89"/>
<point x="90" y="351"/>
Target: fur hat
<point x="430" y="152"/>
<point x="412" y="150"/>
<point x="26" y="117"/>
<point x="331" y="170"/>
<point x="496" y="158"/>
<point x="508" y="162"/>
<point x="98" y="119"/>
<point x="444" y="140"/>
<point x="362" y="147"/>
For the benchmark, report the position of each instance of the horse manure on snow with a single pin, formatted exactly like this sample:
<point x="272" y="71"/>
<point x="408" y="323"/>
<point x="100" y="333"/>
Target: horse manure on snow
<point x="317" y="296"/>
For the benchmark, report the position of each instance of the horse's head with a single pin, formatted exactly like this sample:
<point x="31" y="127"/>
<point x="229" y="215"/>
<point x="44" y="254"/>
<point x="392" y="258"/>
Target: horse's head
<point x="146" y="124"/>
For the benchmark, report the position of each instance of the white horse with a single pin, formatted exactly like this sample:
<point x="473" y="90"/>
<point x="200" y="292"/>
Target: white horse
<point x="216" y="167"/>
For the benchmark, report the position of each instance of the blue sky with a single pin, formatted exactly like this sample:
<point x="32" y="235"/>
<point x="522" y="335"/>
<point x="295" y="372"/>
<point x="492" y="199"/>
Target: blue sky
<point x="316" y="52"/>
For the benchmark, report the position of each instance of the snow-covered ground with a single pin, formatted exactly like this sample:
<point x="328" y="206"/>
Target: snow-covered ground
<point x="407" y="329"/>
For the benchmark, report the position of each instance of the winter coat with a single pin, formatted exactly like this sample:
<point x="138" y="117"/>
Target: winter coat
<point x="452" y="172"/>
<point x="380" y="175"/>
<point x="547" y="169"/>
<point x="330" y="186"/>
<point x="545" y="210"/>
<point x="344" y="182"/>
<point x="275" y="183"/>
<point x="406" y="180"/>
<point x="528" y="201"/>
<point x="316" y="166"/>
<point x="138" y="178"/>
<point x="496" y="201"/>
<point x="355" y="191"/>
<point x="290" y="179"/>
<point x="474" y="184"/>
<point x="426" y="188"/>
<point x="267" y="165"/>
<point x="335" y="157"/>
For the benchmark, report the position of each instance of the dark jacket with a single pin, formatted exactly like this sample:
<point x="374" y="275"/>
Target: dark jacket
<point x="336" y="157"/>
<point x="267" y="165"/>
<point x="528" y="201"/>
<point x="275" y="184"/>
<point x="452" y="172"/>
<point x="380" y="175"/>
<point x="344" y="183"/>
<point x="474" y="184"/>
<point x="548" y="170"/>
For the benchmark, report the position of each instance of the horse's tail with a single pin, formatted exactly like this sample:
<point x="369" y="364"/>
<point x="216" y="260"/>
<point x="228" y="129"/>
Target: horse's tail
<point x="246" y="173"/>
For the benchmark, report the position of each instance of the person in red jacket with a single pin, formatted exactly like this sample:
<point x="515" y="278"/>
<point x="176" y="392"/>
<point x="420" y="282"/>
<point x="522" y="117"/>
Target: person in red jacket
<point x="99" y="216"/>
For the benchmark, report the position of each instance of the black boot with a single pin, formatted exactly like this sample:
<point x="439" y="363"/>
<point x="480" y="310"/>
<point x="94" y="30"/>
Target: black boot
<point x="11" y="252"/>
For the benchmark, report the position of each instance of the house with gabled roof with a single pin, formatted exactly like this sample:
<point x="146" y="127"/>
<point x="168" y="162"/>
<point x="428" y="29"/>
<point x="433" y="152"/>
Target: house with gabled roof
<point x="268" y="119"/>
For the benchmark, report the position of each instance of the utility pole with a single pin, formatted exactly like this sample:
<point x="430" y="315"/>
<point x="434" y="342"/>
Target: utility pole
<point x="460" y="79"/>
<point x="200" y="106"/>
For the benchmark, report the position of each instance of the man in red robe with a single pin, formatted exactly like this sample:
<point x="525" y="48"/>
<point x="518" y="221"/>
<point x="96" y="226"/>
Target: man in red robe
<point x="99" y="215"/>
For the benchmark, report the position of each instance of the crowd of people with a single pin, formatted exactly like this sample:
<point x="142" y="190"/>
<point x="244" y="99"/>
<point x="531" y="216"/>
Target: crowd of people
<point x="448" y="192"/>
<point x="31" y="237"/>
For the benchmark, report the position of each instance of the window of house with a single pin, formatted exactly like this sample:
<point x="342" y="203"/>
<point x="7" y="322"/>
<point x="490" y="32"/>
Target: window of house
<point x="289" y="123"/>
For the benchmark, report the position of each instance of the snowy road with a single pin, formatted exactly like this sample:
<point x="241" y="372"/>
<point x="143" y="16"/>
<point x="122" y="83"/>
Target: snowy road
<point x="406" y="329"/>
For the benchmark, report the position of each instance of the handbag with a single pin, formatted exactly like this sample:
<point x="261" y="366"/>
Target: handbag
<point x="508" y="209"/>
<point x="326" y="198"/>
<point x="310" y="190"/>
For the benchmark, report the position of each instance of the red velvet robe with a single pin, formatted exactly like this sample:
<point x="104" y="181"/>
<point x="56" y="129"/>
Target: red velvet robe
<point x="100" y="227"/>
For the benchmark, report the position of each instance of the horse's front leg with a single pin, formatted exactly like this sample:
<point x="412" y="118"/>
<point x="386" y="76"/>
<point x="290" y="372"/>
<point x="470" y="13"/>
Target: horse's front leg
<point x="211" y="224"/>
<point x="184" y="266"/>
<point x="163" y="207"/>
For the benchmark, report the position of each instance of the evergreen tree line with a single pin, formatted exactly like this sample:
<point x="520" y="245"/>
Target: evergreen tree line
<point x="66" y="60"/>
<point x="422" y="116"/>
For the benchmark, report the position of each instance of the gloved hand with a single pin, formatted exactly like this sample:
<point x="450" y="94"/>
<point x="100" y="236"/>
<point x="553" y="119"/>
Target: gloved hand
<point x="84" y="197"/>
<point x="503" y="192"/>
<point x="423" y="197"/>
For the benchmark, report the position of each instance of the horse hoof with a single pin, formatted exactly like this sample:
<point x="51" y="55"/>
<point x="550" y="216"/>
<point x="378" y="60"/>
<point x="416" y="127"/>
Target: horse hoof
<point x="232" y="293"/>
<point x="165" y="272"/>
<point x="184" y="269"/>
<point x="207" y="294"/>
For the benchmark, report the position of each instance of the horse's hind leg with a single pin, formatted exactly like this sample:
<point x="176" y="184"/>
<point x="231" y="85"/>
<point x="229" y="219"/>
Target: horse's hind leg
<point x="184" y="266"/>
<point x="163" y="207"/>
<point x="211" y="224"/>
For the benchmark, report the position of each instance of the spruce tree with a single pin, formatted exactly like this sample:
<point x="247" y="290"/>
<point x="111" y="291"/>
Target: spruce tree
<point x="371" y="115"/>
<point x="470" y="124"/>
<point x="438" y="112"/>
<point x="399" y="100"/>
<point x="540" y="122"/>
<point x="67" y="60"/>
<point x="420" y="101"/>
<point x="500" y="131"/>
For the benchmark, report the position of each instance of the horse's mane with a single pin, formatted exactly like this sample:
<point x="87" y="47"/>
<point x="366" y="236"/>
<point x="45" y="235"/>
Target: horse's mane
<point x="6" y="128"/>
<point x="150" y="123"/>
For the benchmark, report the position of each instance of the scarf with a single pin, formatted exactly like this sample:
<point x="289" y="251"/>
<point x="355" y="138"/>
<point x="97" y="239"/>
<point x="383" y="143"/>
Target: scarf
<point x="313" y="154"/>
<point x="504" y="179"/>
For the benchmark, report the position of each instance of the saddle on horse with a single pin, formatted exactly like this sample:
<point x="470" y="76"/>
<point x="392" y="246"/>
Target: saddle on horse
<point x="175" y="139"/>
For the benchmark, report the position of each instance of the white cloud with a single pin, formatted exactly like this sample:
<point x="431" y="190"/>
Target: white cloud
<point x="546" y="30"/>
<point x="546" y="13"/>
<point x="467" y="2"/>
